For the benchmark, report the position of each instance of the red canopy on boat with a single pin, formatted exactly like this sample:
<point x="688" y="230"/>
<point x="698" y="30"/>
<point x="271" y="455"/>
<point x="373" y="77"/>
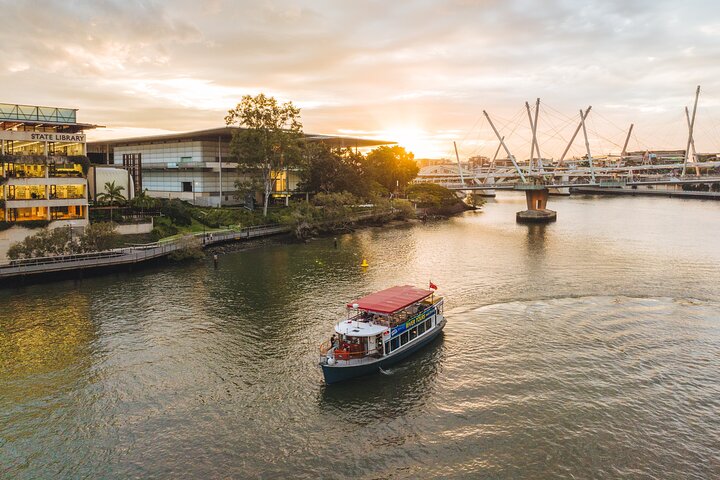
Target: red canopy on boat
<point x="391" y="300"/>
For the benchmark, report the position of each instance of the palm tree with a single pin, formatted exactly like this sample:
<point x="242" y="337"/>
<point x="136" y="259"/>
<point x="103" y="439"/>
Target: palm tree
<point x="112" y="196"/>
<point x="143" y="200"/>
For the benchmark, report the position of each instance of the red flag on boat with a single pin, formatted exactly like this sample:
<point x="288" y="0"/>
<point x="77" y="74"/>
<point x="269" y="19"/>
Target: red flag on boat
<point x="433" y="286"/>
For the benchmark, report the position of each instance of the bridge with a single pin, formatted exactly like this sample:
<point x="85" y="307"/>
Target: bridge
<point x="555" y="176"/>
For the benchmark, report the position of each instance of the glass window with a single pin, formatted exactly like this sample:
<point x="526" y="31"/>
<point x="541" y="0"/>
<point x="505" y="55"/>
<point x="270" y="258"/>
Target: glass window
<point x="187" y="187"/>
<point x="421" y="328"/>
<point x="404" y="338"/>
<point x="413" y="333"/>
<point x="428" y="324"/>
<point x="395" y="343"/>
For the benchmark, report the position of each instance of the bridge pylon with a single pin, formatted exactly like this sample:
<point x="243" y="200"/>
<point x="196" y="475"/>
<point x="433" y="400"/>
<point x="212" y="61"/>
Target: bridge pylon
<point x="536" y="196"/>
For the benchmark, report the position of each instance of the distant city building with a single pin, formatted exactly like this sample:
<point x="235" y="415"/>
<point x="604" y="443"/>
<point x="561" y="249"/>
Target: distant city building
<point x="478" y="161"/>
<point x="428" y="162"/>
<point x="42" y="164"/>
<point x="196" y="166"/>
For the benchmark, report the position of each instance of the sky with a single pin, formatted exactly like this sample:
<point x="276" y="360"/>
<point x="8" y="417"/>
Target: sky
<point x="418" y="72"/>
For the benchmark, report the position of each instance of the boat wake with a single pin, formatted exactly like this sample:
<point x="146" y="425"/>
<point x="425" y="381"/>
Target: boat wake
<point x="385" y="372"/>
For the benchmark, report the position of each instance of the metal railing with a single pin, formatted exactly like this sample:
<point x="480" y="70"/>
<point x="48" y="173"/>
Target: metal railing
<point x="133" y="254"/>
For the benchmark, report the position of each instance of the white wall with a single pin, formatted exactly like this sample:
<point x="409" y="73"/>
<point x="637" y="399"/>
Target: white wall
<point x="99" y="176"/>
<point x="164" y="153"/>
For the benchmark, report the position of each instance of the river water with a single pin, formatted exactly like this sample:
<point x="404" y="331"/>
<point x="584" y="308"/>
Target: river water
<point x="588" y="348"/>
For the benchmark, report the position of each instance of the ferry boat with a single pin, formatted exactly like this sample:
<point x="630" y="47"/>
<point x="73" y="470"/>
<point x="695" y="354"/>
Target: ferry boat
<point x="381" y="329"/>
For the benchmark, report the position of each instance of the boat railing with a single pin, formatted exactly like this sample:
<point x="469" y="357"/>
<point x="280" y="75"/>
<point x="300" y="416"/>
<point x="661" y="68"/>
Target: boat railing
<point x="362" y="356"/>
<point x="325" y="347"/>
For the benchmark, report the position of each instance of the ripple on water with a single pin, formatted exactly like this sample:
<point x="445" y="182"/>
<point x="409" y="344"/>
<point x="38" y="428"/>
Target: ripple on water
<point x="193" y="371"/>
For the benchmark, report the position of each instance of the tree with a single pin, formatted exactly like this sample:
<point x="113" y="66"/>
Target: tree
<point x="112" y="196"/>
<point x="46" y="242"/>
<point x="268" y="140"/>
<point x="98" y="237"/>
<point x="142" y="201"/>
<point x="332" y="171"/>
<point x="431" y="195"/>
<point x="391" y="167"/>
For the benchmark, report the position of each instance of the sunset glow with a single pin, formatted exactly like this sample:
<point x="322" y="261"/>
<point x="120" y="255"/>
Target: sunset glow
<point x="177" y="67"/>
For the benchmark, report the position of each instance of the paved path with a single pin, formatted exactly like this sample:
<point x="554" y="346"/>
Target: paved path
<point x="129" y="255"/>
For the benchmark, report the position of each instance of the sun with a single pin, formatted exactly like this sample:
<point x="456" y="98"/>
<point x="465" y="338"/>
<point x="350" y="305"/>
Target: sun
<point x="413" y="138"/>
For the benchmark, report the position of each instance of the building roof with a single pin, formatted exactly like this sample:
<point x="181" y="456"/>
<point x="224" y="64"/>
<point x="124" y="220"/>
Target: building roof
<point x="226" y="133"/>
<point x="15" y="115"/>
<point x="391" y="300"/>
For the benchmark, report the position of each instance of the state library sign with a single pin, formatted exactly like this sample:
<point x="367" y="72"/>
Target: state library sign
<point x="42" y="136"/>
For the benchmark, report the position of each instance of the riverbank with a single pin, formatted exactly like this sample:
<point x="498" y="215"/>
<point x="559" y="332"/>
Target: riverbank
<point x="646" y="192"/>
<point x="179" y="247"/>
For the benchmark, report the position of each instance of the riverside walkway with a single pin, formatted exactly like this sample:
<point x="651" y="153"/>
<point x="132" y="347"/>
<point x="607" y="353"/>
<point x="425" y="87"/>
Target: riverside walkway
<point x="17" y="269"/>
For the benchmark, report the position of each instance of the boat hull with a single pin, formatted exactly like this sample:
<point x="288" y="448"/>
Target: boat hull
<point x="339" y="373"/>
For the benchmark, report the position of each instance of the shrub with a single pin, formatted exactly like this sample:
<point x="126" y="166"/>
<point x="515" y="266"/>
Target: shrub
<point x="177" y="210"/>
<point x="429" y="195"/>
<point x="45" y="243"/>
<point x="403" y="208"/>
<point x="163" y="228"/>
<point x="98" y="237"/>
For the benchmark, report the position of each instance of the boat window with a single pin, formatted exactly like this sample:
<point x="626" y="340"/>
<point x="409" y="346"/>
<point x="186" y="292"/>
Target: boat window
<point x="413" y="333"/>
<point x="428" y="324"/>
<point x="394" y="343"/>
<point x="404" y="338"/>
<point x="421" y="328"/>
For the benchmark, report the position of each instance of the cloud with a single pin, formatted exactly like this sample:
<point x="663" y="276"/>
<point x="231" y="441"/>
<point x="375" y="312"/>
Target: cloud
<point x="372" y="66"/>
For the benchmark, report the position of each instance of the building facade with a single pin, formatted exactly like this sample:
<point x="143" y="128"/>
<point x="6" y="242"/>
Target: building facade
<point x="197" y="166"/>
<point x="43" y="165"/>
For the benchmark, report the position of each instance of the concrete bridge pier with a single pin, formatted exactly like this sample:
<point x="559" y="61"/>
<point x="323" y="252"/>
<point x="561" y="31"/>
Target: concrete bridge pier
<point x="537" y="212"/>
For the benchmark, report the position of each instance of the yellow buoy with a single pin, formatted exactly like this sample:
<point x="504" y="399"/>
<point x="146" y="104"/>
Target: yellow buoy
<point x="364" y="263"/>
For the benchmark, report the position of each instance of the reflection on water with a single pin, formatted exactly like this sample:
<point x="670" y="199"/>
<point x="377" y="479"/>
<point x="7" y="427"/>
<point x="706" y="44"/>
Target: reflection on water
<point x="39" y="335"/>
<point x="392" y="393"/>
<point x="586" y="348"/>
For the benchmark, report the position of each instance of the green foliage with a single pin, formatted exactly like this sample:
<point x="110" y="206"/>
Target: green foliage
<point x="328" y="211"/>
<point x="112" y="194"/>
<point x="83" y="161"/>
<point x="163" y="228"/>
<point x="226" y="217"/>
<point x="327" y="171"/>
<point x="6" y="225"/>
<point x="391" y="168"/>
<point x="404" y="208"/>
<point x="143" y="201"/>
<point x="33" y="224"/>
<point x="98" y="237"/>
<point x="177" y="210"/>
<point x="60" y="241"/>
<point x="268" y="140"/>
<point x="336" y="202"/>
<point x="429" y="195"/>
<point x="45" y="243"/>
